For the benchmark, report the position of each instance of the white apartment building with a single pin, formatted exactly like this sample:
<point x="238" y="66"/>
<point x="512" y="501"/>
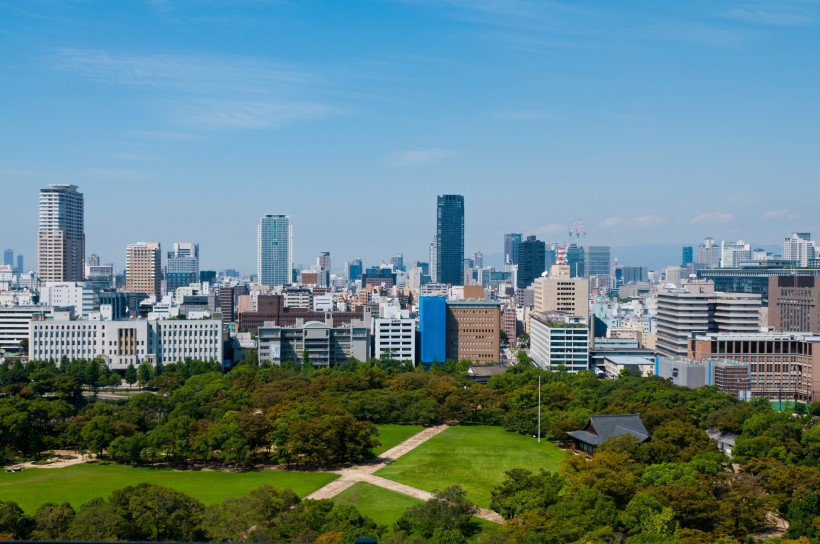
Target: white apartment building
<point x="126" y="342"/>
<point x="800" y="248"/>
<point x="558" y="338"/>
<point x="14" y="323"/>
<point x="732" y="253"/>
<point x="79" y="295"/>
<point x="395" y="337"/>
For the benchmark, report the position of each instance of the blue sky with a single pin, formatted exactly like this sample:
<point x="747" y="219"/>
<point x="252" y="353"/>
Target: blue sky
<point x="655" y="122"/>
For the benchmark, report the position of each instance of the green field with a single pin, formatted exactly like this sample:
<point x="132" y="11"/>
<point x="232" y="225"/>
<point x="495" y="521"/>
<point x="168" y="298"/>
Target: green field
<point x="383" y="505"/>
<point x="80" y="483"/>
<point x="474" y="458"/>
<point x="393" y="435"/>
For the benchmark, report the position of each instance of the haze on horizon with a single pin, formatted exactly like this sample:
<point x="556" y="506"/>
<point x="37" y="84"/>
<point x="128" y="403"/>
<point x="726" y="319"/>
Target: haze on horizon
<point x="657" y="123"/>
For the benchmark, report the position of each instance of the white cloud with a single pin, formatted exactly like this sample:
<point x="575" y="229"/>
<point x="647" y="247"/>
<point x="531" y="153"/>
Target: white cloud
<point x="551" y="228"/>
<point x="777" y="214"/>
<point x="208" y="91"/>
<point x="712" y="217"/>
<point x="419" y="157"/>
<point x="648" y="221"/>
<point x="612" y="221"/>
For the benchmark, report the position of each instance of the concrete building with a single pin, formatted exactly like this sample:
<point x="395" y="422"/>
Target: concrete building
<point x="14" y="324"/>
<point x="271" y="308"/>
<point x="183" y="266"/>
<point x="782" y="366"/>
<point x="126" y="342"/>
<point x="531" y="261"/>
<point x="326" y="344"/>
<point x="698" y="308"/>
<point x="143" y="269"/>
<point x="799" y="248"/>
<point x="61" y="234"/>
<point x="733" y="253"/>
<point x="449" y="240"/>
<point x="78" y="295"/>
<point x="474" y="331"/>
<point x="561" y="293"/>
<point x="433" y="329"/>
<point x="753" y="277"/>
<point x="708" y="254"/>
<point x="509" y="322"/>
<point x="394" y="338"/>
<point x="794" y="304"/>
<point x="298" y="297"/>
<point x="559" y="339"/>
<point x="228" y="298"/>
<point x="274" y="257"/>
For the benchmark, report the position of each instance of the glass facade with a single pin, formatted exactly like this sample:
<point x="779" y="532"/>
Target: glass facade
<point x="433" y="329"/>
<point x="275" y="250"/>
<point x="450" y="239"/>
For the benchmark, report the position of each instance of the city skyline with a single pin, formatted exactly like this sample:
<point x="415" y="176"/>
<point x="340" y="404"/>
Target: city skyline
<point x="658" y="124"/>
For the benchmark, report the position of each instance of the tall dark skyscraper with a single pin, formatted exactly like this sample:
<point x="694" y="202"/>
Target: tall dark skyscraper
<point x="8" y="257"/>
<point x="450" y="239"/>
<point x="687" y="256"/>
<point x="511" y="242"/>
<point x="532" y="256"/>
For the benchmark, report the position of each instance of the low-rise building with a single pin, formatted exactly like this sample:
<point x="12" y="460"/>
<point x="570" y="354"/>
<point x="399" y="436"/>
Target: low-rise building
<point x="395" y="338"/>
<point x="126" y="342"/>
<point x="325" y="344"/>
<point x="559" y="339"/>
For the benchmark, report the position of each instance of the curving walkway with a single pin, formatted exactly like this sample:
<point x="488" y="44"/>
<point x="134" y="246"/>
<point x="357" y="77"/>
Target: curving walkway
<point x="364" y="473"/>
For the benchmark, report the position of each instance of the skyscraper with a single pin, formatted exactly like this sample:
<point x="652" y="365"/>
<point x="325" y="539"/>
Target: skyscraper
<point x="531" y="261"/>
<point x="597" y="261"/>
<point x="274" y="257"/>
<point x="19" y="263"/>
<point x="511" y="242"/>
<point x="687" y="256"/>
<point x="61" y="234"/>
<point x="8" y="257"/>
<point x="450" y="239"/>
<point x="800" y="248"/>
<point x="143" y="269"/>
<point x="183" y="265"/>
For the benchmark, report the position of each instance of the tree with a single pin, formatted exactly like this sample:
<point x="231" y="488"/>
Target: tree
<point x="249" y="517"/>
<point x="144" y="373"/>
<point x="522" y="491"/>
<point x="52" y="521"/>
<point x="448" y="510"/>
<point x="13" y="520"/>
<point x="130" y="375"/>
<point x="158" y="513"/>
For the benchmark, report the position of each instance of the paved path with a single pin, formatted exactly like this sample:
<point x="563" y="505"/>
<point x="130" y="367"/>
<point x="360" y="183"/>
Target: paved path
<point x="365" y="473"/>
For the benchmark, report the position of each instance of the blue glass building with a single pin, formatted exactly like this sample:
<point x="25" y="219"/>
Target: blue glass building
<point x="433" y="329"/>
<point x="450" y="239"/>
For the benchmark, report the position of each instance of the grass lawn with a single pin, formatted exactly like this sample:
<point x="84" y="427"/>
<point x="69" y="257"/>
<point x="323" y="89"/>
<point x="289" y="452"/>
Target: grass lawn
<point x="393" y="435"/>
<point x="80" y="483"/>
<point x="474" y="458"/>
<point x="383" y="505"/>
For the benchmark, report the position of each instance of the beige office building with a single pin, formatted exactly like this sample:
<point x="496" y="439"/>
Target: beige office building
<point x="560" y="293"/>
<point x="143" y="269"/>
<point x="61" y="234"/>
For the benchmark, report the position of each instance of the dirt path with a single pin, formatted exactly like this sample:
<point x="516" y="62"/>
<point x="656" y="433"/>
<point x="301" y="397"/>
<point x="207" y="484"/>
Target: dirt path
<point x="56" y="462"/>
<point x="365" y="473"/>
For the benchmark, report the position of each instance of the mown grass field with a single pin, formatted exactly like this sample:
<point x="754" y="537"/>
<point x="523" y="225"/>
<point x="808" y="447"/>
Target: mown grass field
<point x="474" y="458"/>
<point x="80" y="483"/>
<point x="383" y="505"/>
<point x="393" y="435"/>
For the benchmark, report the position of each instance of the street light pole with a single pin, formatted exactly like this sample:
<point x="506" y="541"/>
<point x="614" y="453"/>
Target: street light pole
<point x="539" y="409"/>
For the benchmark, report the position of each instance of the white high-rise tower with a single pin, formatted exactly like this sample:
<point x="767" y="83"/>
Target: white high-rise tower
<point x="61" y="234"/>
